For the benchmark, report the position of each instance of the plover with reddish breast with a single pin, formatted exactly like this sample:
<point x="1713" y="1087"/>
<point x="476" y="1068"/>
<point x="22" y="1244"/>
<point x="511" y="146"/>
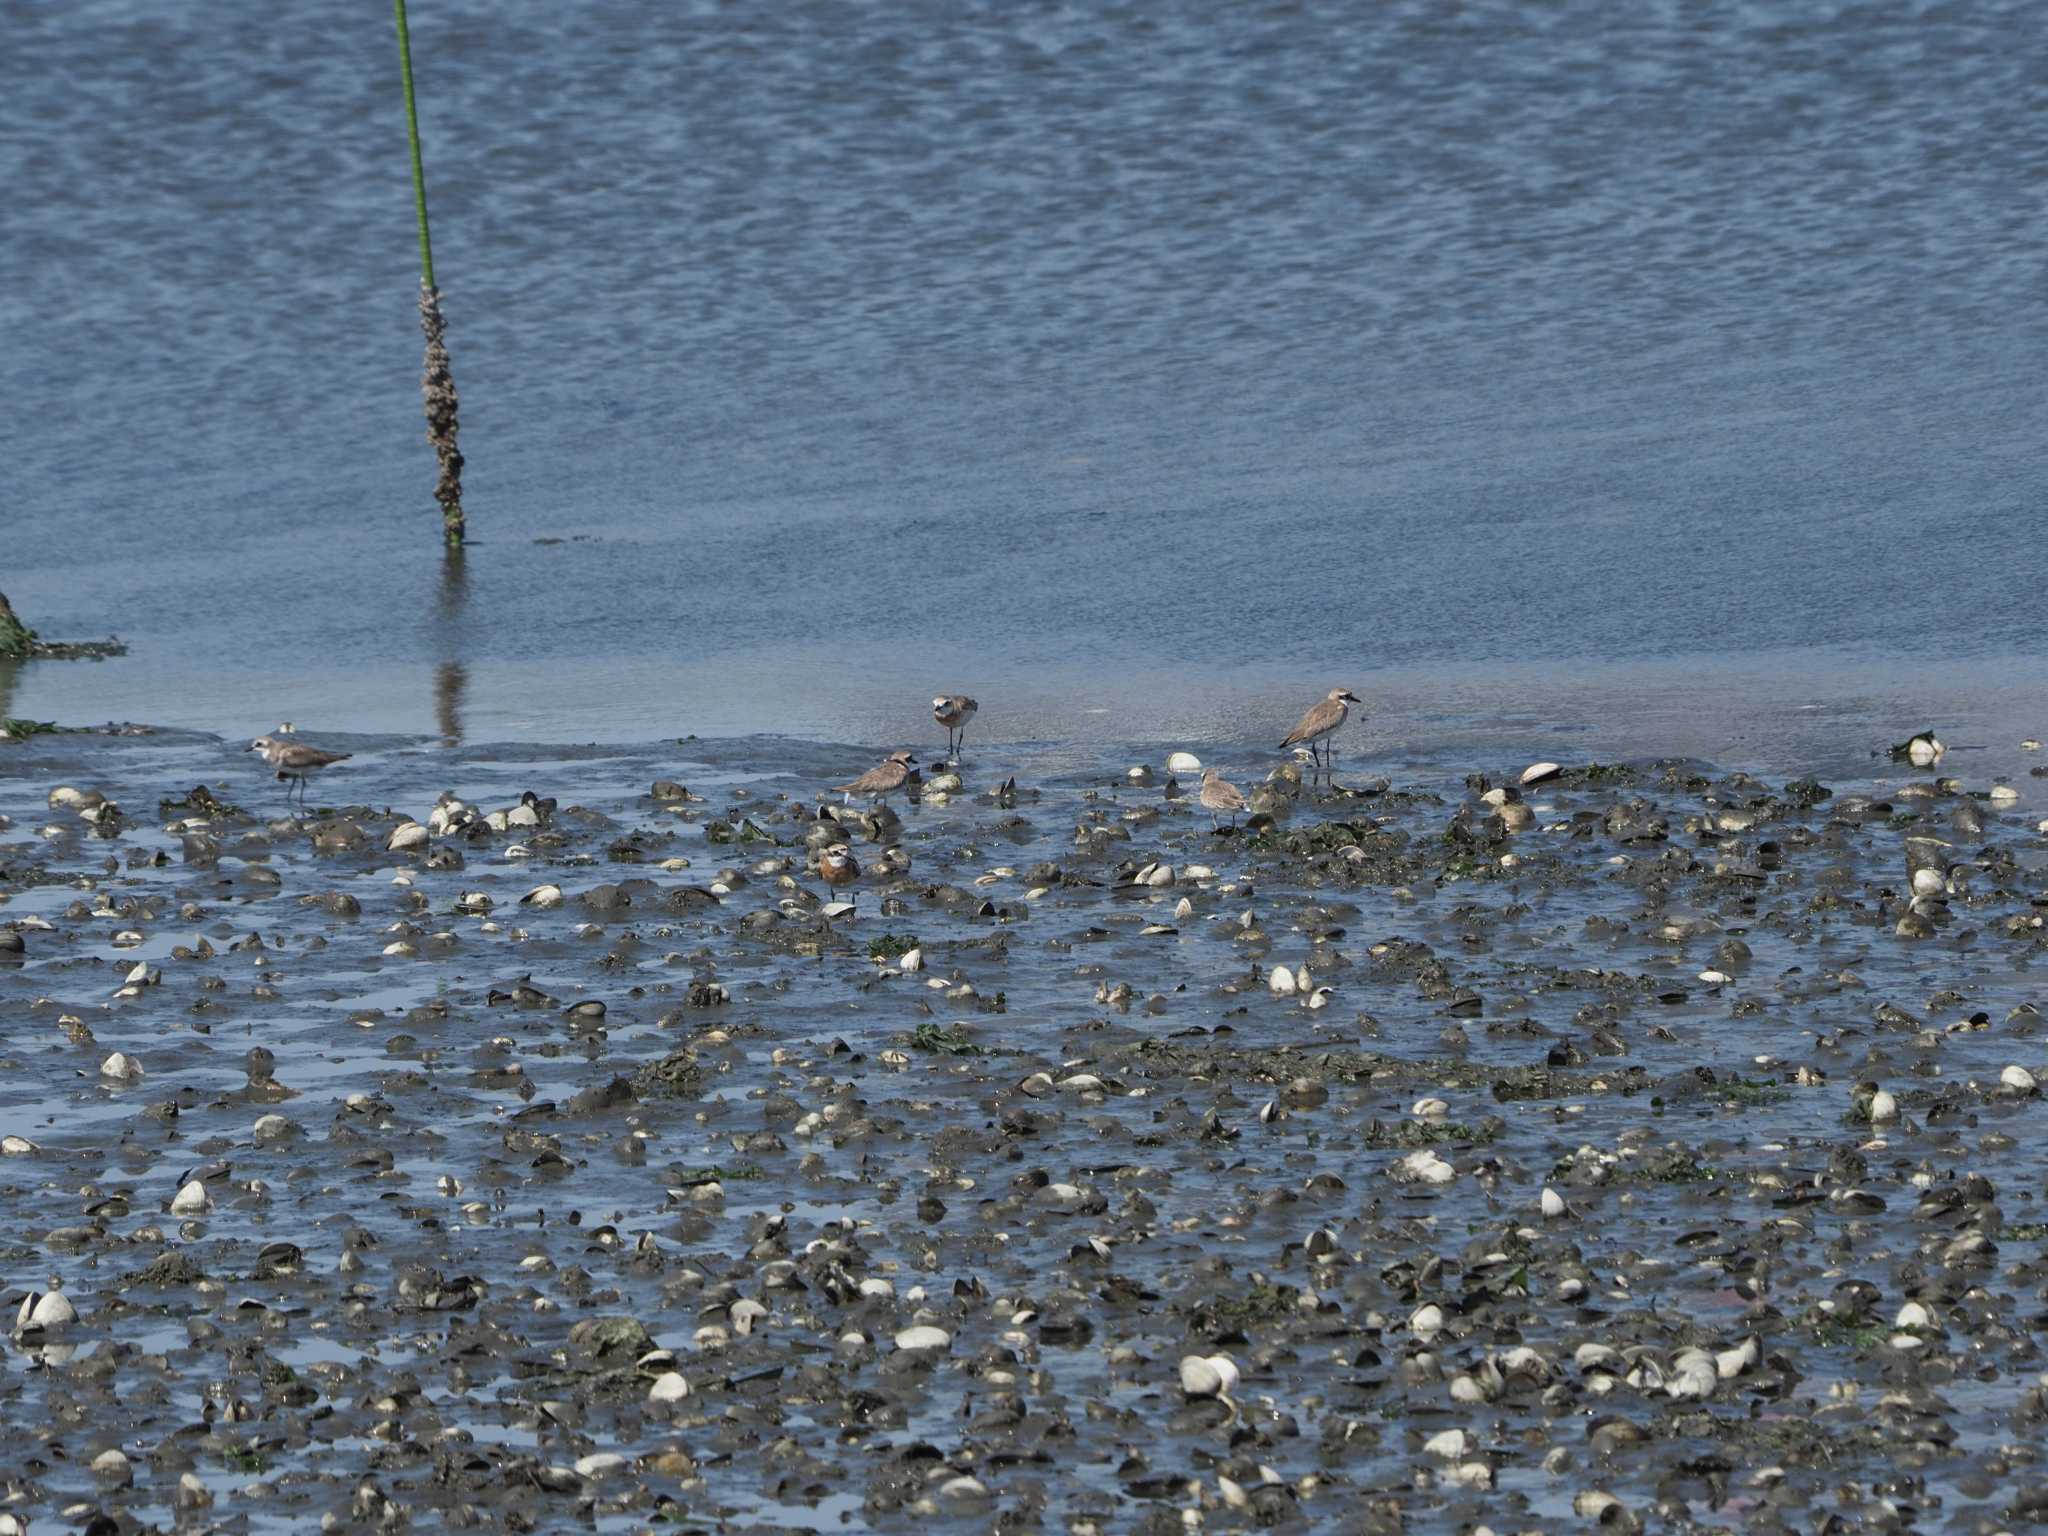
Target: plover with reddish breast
<point x="1219" y="796"/>
<point x="953" y="711"/>
<point x="1321" y="723"/>
<point x="892" y="773"/>
<point x="295" y="761"/>
<point x="837" y="868"/>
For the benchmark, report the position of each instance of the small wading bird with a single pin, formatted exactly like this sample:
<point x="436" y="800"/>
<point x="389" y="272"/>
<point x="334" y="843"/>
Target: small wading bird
<point x="1321" y="723"/>
<point x="1219" y="797"/>
<point x="953" y="712"/>
<point x="295" y="761"/>
<point x="893" y="772"/>
<point x="837" y="869"/>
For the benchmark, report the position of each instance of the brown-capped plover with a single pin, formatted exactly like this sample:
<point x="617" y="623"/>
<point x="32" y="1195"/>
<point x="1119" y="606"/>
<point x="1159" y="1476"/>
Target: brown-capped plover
<point x="953" y="711"/>
<point x="1321" y="723"/>
<point x="295" y="761"/>
<point x="893" y="772"/>
<point x="837" y="868"/>
<point x="1219" y="796"/>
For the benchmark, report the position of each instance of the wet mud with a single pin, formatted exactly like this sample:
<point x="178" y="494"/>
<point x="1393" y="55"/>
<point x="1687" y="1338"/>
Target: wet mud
<point x="530" y="1140"/>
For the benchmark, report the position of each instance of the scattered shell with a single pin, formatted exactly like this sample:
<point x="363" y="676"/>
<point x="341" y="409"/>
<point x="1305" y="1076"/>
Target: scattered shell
<point x="1208" y="1375"/>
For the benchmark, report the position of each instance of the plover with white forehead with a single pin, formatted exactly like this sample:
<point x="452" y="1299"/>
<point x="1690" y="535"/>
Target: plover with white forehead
<point x="953" y="711"/>
<point x="295" y="761"/>
<point x="892" y="773"/>
<point x="1219" y="796"/>
<point x="1321" y="723"/>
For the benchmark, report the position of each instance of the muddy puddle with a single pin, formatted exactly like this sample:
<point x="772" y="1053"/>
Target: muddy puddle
<point x="1651" y="1146"/>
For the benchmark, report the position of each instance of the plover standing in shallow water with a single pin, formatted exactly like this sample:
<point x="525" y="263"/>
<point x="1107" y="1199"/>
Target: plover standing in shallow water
<point x="893" y="772"/>
<point x="1321" y="723"/>
<point x="953" y="711"/>
<point x="295" y="761"/>
<point x="1218" y="796"/>
<point x="837" y="868"/>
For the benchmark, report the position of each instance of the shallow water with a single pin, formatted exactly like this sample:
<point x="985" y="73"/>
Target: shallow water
<point x="1116" y="358"/>
<point x="1706" y="1209"/>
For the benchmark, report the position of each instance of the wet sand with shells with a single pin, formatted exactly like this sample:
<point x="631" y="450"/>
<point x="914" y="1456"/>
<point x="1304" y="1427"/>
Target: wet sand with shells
<point x="1653" y="1147"/>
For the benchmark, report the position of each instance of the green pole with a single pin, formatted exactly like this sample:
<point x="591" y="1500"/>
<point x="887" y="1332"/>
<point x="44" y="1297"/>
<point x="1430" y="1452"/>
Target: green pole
<point x="412" y="131"/>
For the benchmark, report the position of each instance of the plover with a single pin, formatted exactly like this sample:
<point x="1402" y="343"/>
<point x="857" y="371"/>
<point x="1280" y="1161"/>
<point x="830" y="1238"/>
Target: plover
<point x="1321" y="723"/>
<point x="1219" y="796"/>
<point x="893" y="772"/>
<point x="953" y="712"/>
<point x="837" y="868"/>
<point x="295" y="761"/>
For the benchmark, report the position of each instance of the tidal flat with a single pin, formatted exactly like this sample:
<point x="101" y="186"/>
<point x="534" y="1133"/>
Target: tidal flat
<point x="514" y="1141"/>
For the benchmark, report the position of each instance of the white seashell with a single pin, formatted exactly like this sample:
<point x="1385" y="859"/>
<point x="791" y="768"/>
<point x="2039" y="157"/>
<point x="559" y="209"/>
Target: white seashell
<point x="1469" y="1474"/>
<point x="1536" y="773"/>
<point x="1883" y="1107"/>
<point x="1282" y="982"/>
<point x="875" y="1285"/>
<point x="669" y="1387"/>
<point x="18" y="1146"/>
<point x="543" y="896"/>
<point x="2003" y="794"/>
<point x="1913" y="1315"/>
<point x="2018" y="1078"/>
<point x="1082" y="1082"/>
<point x="1429" y="1109"/>
<point x="112" y="1466"/>
<point x="1450" y="1444"/>
<point x="271" y="1128"/>
<point x="1183" y="909"/>
<point x="838" y="908"/>
<point x="521" y="815"/>
<point x="1427" y="1322"/>
<point x="1926" y="882"/>
<point x="924" y="1336"/>
<point x="407" y="834"/>
<point x="1552" y="1204"/>
<point x="1696" y="1377"/>
<point x="1301" y="981"/>
<point x="44" y="1309"/>
<point x="191" y="1200"/>
<point x="1714" y="978"/>
<point x="1183" y="762"/>
<point x="1731" y="1363"/>
<point x="1924" y="751"/>
<point x="122" y="1068"/>
<point x="912" y="960"/>
<point x="1208" y="1375"/>
<point x="1425" y="1167"/>
<point x="597" y="1463"/>
<point x="745" y="1313"/>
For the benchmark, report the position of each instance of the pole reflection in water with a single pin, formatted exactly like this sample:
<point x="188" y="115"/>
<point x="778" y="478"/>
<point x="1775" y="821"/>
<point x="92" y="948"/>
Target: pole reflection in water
<point x="451" y="677"/>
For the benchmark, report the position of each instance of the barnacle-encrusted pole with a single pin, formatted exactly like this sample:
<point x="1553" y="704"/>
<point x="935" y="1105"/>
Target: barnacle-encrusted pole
<point x="437" y="383"/>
